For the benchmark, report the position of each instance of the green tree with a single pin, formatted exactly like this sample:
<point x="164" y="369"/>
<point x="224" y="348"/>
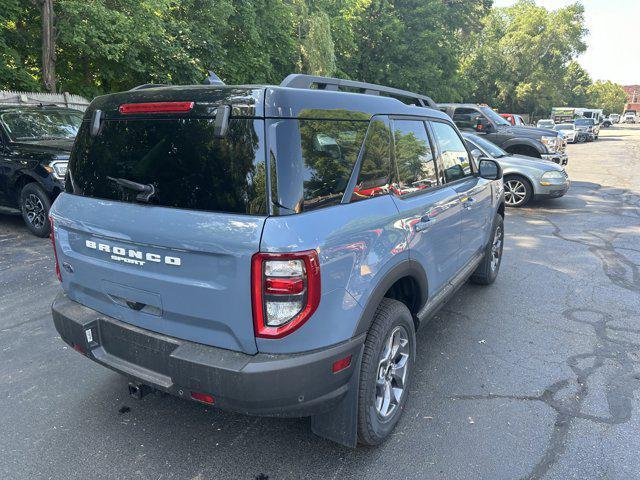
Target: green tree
<point x="19" y="47"/>
<point x="410" y="44"/>
<point x="519" y="60"/>
<point x="607" y="95"/>
<point x="318" y="48"/>
<point x="576" y="86"/>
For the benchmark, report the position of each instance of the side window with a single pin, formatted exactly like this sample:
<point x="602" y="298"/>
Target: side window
<point x="414" y="158"/>
<point x="375" y="169"/>
<point x="454" y="156"/>
<point x="329" y="151"/>
<point x="466" y="117"/>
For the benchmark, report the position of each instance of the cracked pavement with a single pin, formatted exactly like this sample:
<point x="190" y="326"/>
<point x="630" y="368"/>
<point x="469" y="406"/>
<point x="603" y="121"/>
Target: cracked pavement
<point x="535" y="377"/>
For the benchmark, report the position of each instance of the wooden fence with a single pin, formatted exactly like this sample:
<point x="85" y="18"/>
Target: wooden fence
<point x="10" y="97"/>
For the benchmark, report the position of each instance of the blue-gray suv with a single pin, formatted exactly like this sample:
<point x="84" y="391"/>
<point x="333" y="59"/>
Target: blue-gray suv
<point x="270" y="250"/>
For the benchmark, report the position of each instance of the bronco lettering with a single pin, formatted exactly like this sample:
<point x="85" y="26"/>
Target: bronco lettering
<point x="132" y="256"/>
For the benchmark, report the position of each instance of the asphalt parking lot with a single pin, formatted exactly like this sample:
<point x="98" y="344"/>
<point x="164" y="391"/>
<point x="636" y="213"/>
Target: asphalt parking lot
<point x="537" y="376"/>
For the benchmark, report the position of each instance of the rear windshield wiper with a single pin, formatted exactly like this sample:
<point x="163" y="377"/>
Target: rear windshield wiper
<point x="146" y="190"/>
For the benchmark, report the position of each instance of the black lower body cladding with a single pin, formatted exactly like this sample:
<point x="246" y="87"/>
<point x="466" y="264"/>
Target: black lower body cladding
<point x="293" y="385"/>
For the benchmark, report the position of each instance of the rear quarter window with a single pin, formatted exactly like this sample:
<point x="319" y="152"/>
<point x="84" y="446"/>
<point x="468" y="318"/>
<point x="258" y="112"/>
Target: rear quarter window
<point x="313" y="159"/>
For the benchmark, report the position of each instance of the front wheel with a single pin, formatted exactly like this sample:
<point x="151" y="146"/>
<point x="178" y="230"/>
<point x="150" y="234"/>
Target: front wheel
<point x="487" y="271"/>
<point x="387" y="364"/>
<point x="35" y="205"/>
<point x="517" y="191"/>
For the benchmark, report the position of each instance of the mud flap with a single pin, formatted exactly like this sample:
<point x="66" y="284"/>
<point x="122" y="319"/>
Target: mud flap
<point x="340" y="424"/>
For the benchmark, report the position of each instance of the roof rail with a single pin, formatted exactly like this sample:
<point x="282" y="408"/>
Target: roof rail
<point x="299" y="80"/>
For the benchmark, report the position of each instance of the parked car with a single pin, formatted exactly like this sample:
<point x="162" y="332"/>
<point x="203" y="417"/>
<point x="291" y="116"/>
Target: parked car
<point x="571" y="133"/>
<point x="525" y="178"/>
<point x="34" y="148"/>
<point x="629" y="117"/>
<point x="546" y="123"/>
<point x="588" y="127"/>
<point x="615" y="117"/>
<point x="606" y="122"/>
<point x="513" y="119"/>
<point x="231" y="246"/>
<point x="534" y="142"/>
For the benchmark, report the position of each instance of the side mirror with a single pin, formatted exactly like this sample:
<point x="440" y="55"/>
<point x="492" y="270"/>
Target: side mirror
<point x="483" y="125"/>
<point x="489" y="169"/>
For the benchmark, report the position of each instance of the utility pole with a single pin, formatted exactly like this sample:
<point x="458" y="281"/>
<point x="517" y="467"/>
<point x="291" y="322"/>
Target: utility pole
<point x="48" y="46"/>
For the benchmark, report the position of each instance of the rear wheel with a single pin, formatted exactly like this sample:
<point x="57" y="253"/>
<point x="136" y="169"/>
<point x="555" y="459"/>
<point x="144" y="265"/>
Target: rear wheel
<point x="35" y="205"/>
<point x="517" y="191"/>
<point x="487" y="271"/>
<point x="387" y="363"/>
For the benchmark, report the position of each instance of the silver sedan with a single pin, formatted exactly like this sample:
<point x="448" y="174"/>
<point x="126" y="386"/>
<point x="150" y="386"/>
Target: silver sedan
<point x="525" y="178"/>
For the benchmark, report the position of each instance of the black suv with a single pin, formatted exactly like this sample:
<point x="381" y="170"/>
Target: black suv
<point x="35" y="142"/>
<point x="522" y="140"/>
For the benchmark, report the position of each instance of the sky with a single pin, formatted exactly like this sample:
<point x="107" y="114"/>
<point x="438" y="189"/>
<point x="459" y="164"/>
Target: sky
<point x="613" y="43"/>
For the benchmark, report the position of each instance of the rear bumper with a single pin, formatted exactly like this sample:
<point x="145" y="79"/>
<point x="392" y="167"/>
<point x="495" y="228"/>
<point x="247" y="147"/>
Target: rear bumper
<point x="274" y="385"/>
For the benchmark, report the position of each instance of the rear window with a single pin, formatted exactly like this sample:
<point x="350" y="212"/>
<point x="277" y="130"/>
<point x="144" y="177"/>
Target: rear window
<point x="182" y="159"/>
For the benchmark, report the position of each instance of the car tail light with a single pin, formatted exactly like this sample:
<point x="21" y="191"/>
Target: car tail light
<point x="155" y="107"/>
<point x="285" y="291"/>
<point x="52" y="235"/>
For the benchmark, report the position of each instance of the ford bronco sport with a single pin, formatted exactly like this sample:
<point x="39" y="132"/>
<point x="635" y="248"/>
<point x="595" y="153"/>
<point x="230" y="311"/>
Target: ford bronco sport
<point x="270" y="250"/>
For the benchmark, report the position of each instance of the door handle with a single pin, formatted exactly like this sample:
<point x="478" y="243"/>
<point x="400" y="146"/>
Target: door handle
<point x="424" y="223"/>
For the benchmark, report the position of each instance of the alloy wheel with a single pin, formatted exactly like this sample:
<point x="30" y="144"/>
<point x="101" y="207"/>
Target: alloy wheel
<point x="35" y="211"/>
<point x="515" y="192"/>
<point x="392" y="372"/>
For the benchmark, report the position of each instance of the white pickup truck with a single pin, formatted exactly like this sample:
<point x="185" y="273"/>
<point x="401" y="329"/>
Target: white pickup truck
<point x="629" y="117"/>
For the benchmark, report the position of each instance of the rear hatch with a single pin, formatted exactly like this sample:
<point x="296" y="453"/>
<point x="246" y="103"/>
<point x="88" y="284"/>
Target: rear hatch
<point x="162" y="214"/>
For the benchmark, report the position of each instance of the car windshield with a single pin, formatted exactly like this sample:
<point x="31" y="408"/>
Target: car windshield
<point x="494" y="117"/>
<point x="565" y="126"/>
<point x="546" y="123"/>
<point x="30" y="125"/>
<point x="585" y="121"/>
<point x="491" y="148"/>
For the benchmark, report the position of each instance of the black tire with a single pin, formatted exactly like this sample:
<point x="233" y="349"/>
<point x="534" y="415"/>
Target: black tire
<point x="487" y="271"/>
<point x="517" y="191"/>
<point x="35" y="205"/>
<point x="392" y="317"/>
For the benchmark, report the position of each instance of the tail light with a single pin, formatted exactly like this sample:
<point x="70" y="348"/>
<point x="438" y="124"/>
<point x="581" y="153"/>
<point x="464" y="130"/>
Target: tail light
<point x="52" y="235"/>
<point x="285" y="291"/>
<point x="155" y="107"/>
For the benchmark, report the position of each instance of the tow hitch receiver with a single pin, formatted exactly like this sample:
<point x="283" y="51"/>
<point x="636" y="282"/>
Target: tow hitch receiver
<point x="138" y="390"/>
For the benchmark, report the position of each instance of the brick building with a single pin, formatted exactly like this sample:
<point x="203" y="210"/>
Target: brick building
<point x="633" y="98"/>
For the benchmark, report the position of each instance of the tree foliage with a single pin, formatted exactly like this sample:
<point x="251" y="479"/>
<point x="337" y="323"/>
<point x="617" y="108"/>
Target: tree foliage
<point x="518" y="62"/>
<point x="318" y="48"/>
<point x="608" y="95"/>
<point x="520" y="58"/>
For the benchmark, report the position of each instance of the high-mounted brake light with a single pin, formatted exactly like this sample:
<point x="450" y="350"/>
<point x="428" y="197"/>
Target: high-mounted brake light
<point x="155" y="107"/>
<point x="52" y="235"/>
<point x="285" y="291"/>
